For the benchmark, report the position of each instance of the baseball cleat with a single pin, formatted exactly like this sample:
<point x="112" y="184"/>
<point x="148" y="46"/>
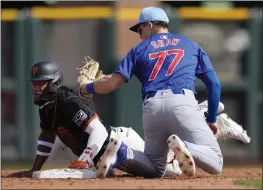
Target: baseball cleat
<point x="172" y="168"/>
<point x="204" y="107"/>
<point x="229" y="129"/>
<point x="114" y="155"/>
<point x="183" y="156"/>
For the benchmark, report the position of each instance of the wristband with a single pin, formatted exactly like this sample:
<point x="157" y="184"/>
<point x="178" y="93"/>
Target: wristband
<point x="43" y="153"/>
<point x="45" y="143"/>
<point x="90" y="88"/>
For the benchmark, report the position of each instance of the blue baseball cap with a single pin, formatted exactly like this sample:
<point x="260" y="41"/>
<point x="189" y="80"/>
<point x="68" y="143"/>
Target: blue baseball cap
<point x="150" y="14"/>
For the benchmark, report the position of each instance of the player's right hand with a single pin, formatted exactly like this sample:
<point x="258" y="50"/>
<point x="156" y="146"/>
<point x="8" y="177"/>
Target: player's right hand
<point x="213" y="127"/>
<point x="28" y="173"/>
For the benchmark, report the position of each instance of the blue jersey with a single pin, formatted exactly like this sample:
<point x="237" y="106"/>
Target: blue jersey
<point x="165" y="61"/>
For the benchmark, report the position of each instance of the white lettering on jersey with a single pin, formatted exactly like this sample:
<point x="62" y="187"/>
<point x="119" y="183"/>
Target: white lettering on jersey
<point x="165" y="42"/>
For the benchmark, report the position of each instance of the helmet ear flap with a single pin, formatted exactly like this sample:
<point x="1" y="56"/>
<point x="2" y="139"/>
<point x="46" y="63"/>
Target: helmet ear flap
<point x="58" y="80"/>
<point x="57" y="83"/>
<point x="49" y="93"/>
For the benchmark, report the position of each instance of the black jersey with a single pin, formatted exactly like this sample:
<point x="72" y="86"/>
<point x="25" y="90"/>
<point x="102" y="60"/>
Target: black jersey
<point x="69" y="116"/>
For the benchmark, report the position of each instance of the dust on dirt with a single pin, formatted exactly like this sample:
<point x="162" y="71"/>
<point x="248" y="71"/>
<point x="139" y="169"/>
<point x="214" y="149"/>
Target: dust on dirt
<point x="202" y="180"/>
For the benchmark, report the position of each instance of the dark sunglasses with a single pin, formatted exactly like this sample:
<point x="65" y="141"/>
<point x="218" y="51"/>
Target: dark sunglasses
<point x="139" y="30"/>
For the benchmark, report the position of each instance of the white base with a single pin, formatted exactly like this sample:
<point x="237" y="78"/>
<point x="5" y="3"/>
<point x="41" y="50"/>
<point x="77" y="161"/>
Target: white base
<point x="64" y="173"/>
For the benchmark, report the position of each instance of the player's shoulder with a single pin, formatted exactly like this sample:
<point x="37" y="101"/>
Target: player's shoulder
<point x="185" y="39"/>
<point x="142" y="45"/>
<point x="189" y="40"/>
<point x="69" y="99"/>
<point x="67" y="96"/>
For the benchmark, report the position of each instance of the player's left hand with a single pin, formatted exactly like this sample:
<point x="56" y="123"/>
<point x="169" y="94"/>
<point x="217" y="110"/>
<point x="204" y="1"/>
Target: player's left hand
<point x="27" y="174"/>
<point x="213" y="127"/>
<point x="88" y="73"/>
<point x="78" y="164"/>
<point x="84" y="161"/>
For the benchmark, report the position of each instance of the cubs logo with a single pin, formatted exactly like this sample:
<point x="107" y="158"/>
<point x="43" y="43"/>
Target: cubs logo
<point x="34" y="70"/>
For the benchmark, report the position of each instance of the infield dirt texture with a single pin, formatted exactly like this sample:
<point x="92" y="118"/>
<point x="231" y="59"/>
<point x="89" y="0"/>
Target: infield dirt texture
<point x="202" y="180"/>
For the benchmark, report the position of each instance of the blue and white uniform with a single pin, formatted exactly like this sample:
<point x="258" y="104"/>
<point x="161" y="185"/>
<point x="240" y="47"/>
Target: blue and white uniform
<point x="167" y="65"/>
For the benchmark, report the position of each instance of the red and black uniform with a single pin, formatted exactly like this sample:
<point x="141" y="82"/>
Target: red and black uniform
<point x="69" y="116"/>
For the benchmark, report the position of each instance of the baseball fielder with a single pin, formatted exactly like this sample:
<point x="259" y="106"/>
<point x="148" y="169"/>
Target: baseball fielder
<point x="166" y="65"/>
<point x="227" y="128"/>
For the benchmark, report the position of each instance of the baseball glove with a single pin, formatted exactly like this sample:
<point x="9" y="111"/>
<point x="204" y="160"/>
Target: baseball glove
<point x="88" y="73"/>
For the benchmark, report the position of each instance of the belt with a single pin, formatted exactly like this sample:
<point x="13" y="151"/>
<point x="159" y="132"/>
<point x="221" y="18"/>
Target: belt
<point x="153" y="93"/>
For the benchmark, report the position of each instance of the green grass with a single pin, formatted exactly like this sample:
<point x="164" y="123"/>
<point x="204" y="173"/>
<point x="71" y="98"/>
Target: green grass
<point x="249" y="182"/>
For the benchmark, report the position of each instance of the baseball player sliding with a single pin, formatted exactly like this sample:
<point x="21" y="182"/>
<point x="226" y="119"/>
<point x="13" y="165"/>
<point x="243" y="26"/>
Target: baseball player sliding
<point x="167" y="65"/>
<point x="66" y="115"/>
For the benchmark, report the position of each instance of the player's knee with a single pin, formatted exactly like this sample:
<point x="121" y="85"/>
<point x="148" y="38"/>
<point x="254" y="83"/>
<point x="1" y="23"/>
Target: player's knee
<point x="159" y="174"/>
<point x="160" y="170"/>
<point x="217" y="169"/>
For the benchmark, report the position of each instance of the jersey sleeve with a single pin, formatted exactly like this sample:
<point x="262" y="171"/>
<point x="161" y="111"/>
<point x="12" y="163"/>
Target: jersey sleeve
<point x="127" y="65"/>
<point x="204" y="65"/>
<point x="77" y="112"/>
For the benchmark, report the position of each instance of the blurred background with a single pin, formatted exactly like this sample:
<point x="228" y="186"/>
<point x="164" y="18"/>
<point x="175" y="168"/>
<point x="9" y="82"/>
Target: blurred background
<point x="230" y="32"/>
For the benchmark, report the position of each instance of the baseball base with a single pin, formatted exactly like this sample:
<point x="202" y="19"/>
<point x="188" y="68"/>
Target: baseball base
<point x="64" y="173"/>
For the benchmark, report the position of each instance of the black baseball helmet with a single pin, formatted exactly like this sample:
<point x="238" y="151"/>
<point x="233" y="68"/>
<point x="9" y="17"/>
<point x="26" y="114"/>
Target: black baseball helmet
<point x="47" y="71"/>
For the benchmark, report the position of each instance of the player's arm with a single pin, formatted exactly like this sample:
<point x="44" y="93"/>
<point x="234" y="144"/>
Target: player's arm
<point x="108" y="83"/>
<point x="84" y="117"/>
<point x="121" y="74"/>
<point x="206" y="73"/>
<point x="45" y="143"/>
<point x="213" y="94"/>
<point x="97" y="137"/>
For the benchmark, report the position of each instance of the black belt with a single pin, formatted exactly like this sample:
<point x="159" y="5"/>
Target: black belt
<point x="153" y="93"/>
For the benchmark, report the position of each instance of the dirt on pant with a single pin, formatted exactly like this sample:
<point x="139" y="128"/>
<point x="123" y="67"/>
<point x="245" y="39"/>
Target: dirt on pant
<point x="200" y="181"/>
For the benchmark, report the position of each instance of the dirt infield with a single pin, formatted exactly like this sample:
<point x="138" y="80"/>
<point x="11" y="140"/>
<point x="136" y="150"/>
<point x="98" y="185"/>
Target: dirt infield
<point x="202" y="180"/>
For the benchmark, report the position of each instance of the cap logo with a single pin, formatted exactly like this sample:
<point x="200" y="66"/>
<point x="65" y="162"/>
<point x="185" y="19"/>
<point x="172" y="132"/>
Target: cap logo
<point x="34" y="70"/>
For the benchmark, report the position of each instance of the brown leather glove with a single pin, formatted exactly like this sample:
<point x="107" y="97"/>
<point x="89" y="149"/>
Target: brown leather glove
<point x="87" y="74"/>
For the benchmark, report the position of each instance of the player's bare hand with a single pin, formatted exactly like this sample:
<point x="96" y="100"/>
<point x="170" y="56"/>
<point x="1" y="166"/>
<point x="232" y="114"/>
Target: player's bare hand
<point x="213" y="127"/>
<point x="21" y="174"/>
